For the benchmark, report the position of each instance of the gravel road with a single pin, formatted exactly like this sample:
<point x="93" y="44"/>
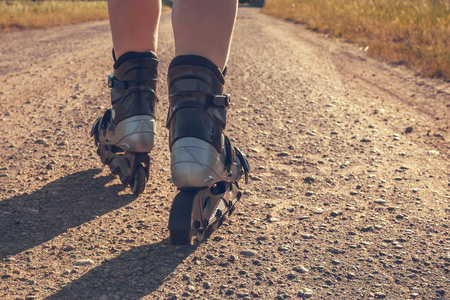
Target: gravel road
<point x="348" y="196"/>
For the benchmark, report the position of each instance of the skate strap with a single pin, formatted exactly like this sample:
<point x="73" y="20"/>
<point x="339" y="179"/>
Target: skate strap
<point x="101" y="124"/>
<point x="231" y="153"/>
<point x="221" y="100"/>
<point x="113" y="82"/>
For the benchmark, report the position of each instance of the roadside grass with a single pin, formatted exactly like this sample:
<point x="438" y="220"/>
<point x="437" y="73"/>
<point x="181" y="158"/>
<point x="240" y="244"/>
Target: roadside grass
<point x="23" y="14"/>
<point x="412" y="32"/>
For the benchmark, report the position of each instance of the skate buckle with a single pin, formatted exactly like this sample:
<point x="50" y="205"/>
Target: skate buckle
<point x="222" y="100"/>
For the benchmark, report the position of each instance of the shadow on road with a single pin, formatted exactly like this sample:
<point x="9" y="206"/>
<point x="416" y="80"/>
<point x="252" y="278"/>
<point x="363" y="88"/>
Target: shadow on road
<point x="31" y="219"/>
<point x="132" y="275"/>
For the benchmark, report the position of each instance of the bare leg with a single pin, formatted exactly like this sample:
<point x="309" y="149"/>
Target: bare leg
<point x="204" y="27"/>
<point x="134" y="25"/>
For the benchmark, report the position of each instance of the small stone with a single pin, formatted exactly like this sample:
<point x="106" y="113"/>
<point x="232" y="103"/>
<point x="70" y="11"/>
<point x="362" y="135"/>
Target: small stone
<point x="309" y="193"/>
<point x="379" y="201"/>
<point x="307" y="236"/>
<point x="309" y="179"/>
<point x="40" y="141"/>
<point x="272" y="220"/>
<point x="284" y="248"/>
<point x="367" y="228"/>
<point x="190" y="288"/>
<point x="248" y="252"/>
<point x="380" y="295"/>
<point x="408" y="129"/>
<point x="447" y="257"/>
<point x="334" y="250"/>
<point x="305" y="293"/>
<point x="281" y="154"/>
<point x="207" y="285"/>
<point x="301" y="269"/>
<point x="31" y="282"/>
<point x="336" y="213"/>
<point x="317" y="210"/>
<point x="303" y="218"/>
<point x="291" y="275"/>
<point x="351" y="275"/>
<point x="83" y="262"/>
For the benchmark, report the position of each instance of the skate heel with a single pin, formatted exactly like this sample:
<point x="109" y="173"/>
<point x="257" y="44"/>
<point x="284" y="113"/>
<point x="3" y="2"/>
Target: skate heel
<point x="197" y="164"/>
<point x="137" y="134"/>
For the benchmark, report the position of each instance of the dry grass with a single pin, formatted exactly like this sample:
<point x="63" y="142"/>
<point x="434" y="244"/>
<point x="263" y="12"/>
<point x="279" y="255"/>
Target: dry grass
<point x="27" y="14"/>
<point x="23" y="14"/>
<point x="415" y="32"/>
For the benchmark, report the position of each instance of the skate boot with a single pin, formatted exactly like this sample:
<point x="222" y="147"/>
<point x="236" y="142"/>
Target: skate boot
<point x="125" y="133"/>
<point x="205" y="166"/>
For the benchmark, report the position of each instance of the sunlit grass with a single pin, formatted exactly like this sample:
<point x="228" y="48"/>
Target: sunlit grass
<point x="22" y="14"/>
<point x="414" y="32"/>
<point x="28" y="14"/>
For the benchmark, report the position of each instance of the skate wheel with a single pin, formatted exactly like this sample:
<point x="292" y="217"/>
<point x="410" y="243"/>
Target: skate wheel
<point x="186" y="237"/>
<point x="140" y="179"/>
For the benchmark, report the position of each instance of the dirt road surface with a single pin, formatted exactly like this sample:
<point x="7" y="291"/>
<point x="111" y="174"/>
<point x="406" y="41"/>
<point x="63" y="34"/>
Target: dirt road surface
<point x="349" y="191"/>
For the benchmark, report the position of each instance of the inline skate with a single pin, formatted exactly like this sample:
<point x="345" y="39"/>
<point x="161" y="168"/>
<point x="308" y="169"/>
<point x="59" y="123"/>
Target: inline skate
<point x="125" y="133"/>
<point x="205" y="166"/>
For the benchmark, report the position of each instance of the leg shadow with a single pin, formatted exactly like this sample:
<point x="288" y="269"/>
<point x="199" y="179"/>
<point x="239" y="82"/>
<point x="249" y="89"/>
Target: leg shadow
<point x="132" y="275"/>
<point x="29" y="220"/>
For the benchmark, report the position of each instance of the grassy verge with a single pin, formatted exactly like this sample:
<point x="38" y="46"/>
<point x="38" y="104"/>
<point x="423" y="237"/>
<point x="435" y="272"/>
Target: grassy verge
<point x="26" y="14"/>
<point x="22" y="14"/>
<point x="412" y="32"/>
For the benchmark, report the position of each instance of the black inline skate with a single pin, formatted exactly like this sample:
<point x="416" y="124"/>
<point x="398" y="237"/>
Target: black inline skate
<point x="205" y="166"/>
<point x="125" y="133"/>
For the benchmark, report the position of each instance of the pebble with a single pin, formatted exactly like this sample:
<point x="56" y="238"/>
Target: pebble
<point x="283" y="154"/>
<point x="248" y="252"/>
<point x="301" y="269"/>
<point x="334" y="250"/>
<point x="291" y="275"/>
<point x="309" y="179"/>
<point x="305" y="293"/>
<point x="317" y="210"/>
<point x="309" y="193"/>
<point x="207" y="285"/>
<point x="447" y="257"/>
<point x="41" y="141"/>
<point x="379" y="201"/>
<point x="307" y="236"/>
<point x="367" y="228"/>
<point x="303" y="218"/>
<point x="83" y="262"/>
<point x="336" y="213"/>
<point x="273" y="220"/>
<point x="380" y="295"/>
<point x="284" y="248"/>
<point x="190" y="288"/>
